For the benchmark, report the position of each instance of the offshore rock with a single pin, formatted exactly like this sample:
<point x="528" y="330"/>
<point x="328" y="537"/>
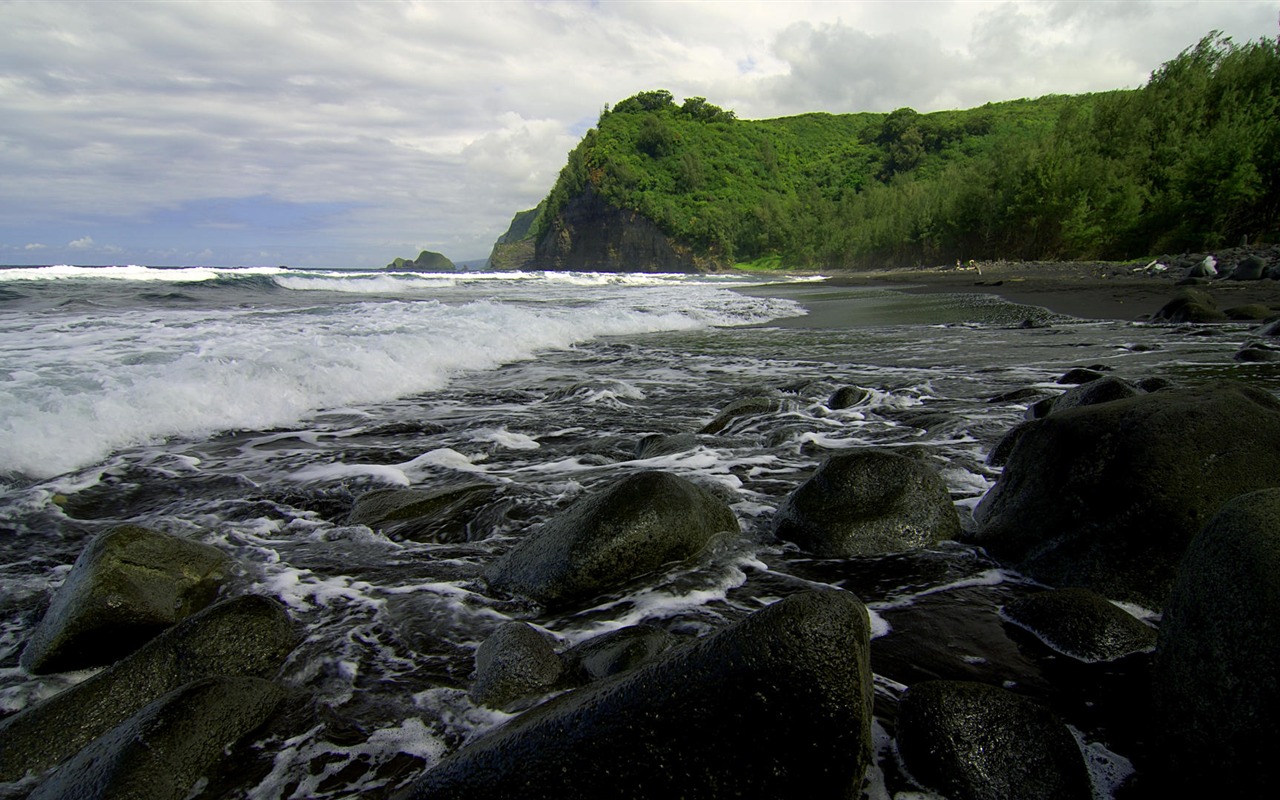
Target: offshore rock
<point x="867" y="502"/>
<point x="846" y="397"/>
<point x="246" y="636"/>
<point x="612" y="537"/>
<point x="163" y="750"/>
<point x="589" y="234"/>
<point x="746" y="407"/>
<point x="128" y="585"/>
<point x="515" y="663"/>
<point x="778" y="701"/>
<point x="1108" y="496"/>
<point x="1217" y="691"/>
<point x="1081" y="624"/>
<point x="1190" y="305"/>
<point x="971" y="741"/>
<point x="421" y="515"/>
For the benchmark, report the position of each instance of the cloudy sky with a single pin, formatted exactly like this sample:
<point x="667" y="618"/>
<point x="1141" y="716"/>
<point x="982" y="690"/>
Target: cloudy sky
<point x="344" y="134"/>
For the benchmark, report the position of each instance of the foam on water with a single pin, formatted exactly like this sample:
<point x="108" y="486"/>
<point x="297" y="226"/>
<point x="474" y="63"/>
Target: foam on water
<point x="77" y="385"/>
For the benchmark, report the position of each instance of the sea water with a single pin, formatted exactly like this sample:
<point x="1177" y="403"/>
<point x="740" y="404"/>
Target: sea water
<point x="249" y="408"/>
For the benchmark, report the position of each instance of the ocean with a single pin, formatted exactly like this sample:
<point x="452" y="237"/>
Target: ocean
<point x="249" y="408"/>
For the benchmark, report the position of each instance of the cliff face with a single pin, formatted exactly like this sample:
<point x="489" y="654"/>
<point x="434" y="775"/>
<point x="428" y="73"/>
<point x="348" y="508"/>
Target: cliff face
<point x="593" y="236"/>
<point x="514" y="249"/>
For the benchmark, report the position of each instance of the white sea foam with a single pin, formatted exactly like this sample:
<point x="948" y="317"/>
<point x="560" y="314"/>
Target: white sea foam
<point x="76" y="386"/>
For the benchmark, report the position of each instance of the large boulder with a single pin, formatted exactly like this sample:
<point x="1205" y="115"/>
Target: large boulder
<point x="162" y="751"/>
<point x="1081" y="624"/>
<point x="867" y="502"/>
<point x="246" y="636"/>
<point x="971" y="741"/>
<point x="1090" y="393"/>
<point x="615" y="652"/>
<point x="1108" y="496"/>
<point x="782" y="700"/>
<point x="612" y="537"/>
<point x="1190" y="305"/>
<point x="128" y="585"/>
<point x="515" y="663"/>
<point x="1217" y="690"/>
<point x="1249" y="268"/>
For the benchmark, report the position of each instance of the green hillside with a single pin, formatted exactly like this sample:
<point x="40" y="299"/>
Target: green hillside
<point x="1189" y="161"/>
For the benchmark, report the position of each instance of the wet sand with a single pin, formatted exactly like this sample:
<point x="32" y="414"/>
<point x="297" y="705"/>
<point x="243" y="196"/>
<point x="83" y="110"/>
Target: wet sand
<point x="1078" y="289"/>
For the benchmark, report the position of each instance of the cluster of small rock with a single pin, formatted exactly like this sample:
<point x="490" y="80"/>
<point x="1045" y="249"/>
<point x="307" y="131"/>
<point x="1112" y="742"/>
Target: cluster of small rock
<point x="1143" y="492"/>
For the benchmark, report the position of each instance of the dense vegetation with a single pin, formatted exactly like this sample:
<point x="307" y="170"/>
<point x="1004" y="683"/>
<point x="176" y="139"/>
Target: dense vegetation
<point x="1189" y="161"/>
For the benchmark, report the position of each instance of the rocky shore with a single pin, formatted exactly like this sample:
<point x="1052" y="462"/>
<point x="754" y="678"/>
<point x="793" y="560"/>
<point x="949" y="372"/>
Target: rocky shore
<point x="1144" y="514"/>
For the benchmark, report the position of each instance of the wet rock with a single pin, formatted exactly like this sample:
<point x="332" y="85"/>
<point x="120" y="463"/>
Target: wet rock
<point x="1269" y="330"/>
<point x="1208" y="268"/>
<point x="163" y="750"/>
<point x="868" y="502"/>
<point x="971" y="741"/>
<point x="1256" y="354"/>
<point x="128" y="585"/>
<point x="1099" y="390"/>
<point x="846" y="397"/>
<point x="612" y="537"/>
<point x="246" y="636"/>
<point x="421" y="515"/>
<point x="1190" y="305"/>
<point x="778" y="701"/>
<point x="1217" y="691"/>
<point x="1081" y="624"/>
<point x="999" y="455"/>
<point x="1249" y="313"/>
<point x="658" y="445"/>
<point x="1017" y="395"/>
<point x="514" y="664"/>
<point x="1079" y="375"/>
<point x="1108" y="496"/>
<point x="1153" y="384"/>
<point x="746" y="407"/>
<point x="1249" y="268"/>
<point x="618" y="651"/>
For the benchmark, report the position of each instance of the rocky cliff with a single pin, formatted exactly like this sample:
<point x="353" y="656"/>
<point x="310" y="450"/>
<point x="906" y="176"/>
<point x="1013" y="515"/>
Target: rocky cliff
<point x="589" y="234"/>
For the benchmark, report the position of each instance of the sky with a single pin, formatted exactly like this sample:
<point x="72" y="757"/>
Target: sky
<point x="345" y="134"/>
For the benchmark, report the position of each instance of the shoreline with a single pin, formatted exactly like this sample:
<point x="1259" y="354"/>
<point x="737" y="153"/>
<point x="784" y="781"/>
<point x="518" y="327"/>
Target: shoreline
<point x="1085" y="290"/>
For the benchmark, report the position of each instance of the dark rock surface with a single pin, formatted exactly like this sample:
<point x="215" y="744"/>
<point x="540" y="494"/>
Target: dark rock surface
<point x="1108" y="496"/>
<point x="612" y="537"/>
<point x="128" y="585"/>
<point x="515" y="663"/>
<point x="246" y="636"/>
<point x="846" y="397"/>
<point x="746" y="407"/>
<point x="615" y="652"/>
<point x="1099" y="390"/>
<point x="1190" y="305"/>
<point x="971" y="741"/>
<point x="1217" y="690"/>
<point x="867" y="502"/>
<point x="590" y="234"/>
<point x="421" y="515"/>
<point x="1081" y="624"/>
<point x="780" y="701"/>
<point x="163" y="750"/>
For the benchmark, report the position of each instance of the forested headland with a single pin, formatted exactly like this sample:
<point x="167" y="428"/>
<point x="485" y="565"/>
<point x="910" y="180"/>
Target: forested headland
<point x="1189" y="161"/>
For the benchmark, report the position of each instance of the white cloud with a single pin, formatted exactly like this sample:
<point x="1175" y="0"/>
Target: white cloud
<point x="34" y="246"/>
<point x="435" y="121"/>
<point x="83" y="243"/>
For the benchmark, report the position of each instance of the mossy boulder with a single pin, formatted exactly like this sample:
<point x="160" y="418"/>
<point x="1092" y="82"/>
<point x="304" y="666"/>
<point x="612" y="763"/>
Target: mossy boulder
<point x="612" y="537"/>
<point x="1108" y="496"/>
<point x="1081" y="624"/>
<point x="971" y="741"/>
<point x="422" y="515"/>
<point x="513" y="664"/>
<point x="128" y="585"/>
<point x="162" y="752"/>
<point x="868" y="502"/>
<point x="779" y="701"/>
<point x="1217" y="690"/>
<point x="246" y="636"/>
